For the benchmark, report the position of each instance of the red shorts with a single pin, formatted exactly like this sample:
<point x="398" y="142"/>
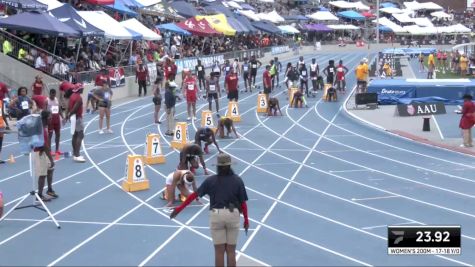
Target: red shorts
<point x="191" y="98"/>
<point x="54" y="125"/>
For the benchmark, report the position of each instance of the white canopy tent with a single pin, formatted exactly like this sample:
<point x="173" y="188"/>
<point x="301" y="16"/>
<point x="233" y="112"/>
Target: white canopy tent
<point x="266" y="1"/>
<point x="322" y="15"/>
<point x="391" y="10"/>
<point x="250" y="14"/>
<point x="233" y="4"/>
<point x="390" y="24"/>
<point x="414" y="5"/>
<point x="112" y="28"/>
<point x="424" y="22"/>
<point x="147" y="3"/>
<point x="403" y="18"/>
<point x="440" y="15"/>
<point x="272" y="16"/>
<point x="52" y="4"/>
<point x="349" y="5"/>
<point x="288" y="29"/>
<point x="136" y="26"/>
<point x="343" y="27"/>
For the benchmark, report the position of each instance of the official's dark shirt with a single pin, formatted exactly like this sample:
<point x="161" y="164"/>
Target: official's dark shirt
<point x="223" y="190"/>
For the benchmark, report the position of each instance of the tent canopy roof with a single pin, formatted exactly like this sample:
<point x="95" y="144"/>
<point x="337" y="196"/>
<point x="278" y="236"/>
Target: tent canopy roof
<point x="219" y="23"/>
<point x="136" y="26"/>
<point x="198" y="27"/>
<point x="342" y="27"/>
<point x="31" y="5"/>
<point x="322" y="15"/>
<point x="266" y="27"/>
<point x="351" y="14"/>
<point x="184" y="9"/>
<point x="349" y="5"/>
<point x="120" y="7"/>
<point x="68" y="15"/>
<point x="172" y="27"/>
<point x="40" y="23"/>
<point x="52" y="4"/>
<point x="112" y="28"/>
<point x="288" y="29"/>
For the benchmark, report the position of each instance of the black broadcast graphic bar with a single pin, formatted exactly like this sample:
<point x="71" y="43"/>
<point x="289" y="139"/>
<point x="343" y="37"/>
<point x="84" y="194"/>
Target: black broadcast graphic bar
<point x="424" y="240"/>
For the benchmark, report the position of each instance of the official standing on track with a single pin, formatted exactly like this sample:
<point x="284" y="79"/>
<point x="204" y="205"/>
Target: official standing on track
<point x="170" y="101"/>
<point x="76" y="108"/>
<point x="228" y="198"/>
<point x="467" y="121"/>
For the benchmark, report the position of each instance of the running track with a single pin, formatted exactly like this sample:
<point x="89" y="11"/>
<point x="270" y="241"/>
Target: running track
<point x="322" y="189"/>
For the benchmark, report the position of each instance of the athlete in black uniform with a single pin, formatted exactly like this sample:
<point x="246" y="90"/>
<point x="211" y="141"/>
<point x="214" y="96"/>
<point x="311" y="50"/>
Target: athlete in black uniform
<point x="207" y="136"/>
<point x="201" y="74"/>
<point x="255" y="64"/>
<point x="273" y="106"/>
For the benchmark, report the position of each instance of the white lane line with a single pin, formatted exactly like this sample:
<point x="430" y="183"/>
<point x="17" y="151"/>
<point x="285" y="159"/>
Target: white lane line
<point x="372" y="198"/>
<point x="438" y="127"/>
<point x="385" y="225"/>
<point x="356" y="170"/>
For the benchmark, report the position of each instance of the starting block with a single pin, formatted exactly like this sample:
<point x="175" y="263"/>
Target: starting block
<point x="153" y="150"/>
<point x="233" y="111"/>
<point x="135" y="178"/>
<point x="325" y="92"/>
<point x="180" y="138"/>
<point x="261" y="103"/>
<point x="207" y="120"/>
<point x="291" y="93"/>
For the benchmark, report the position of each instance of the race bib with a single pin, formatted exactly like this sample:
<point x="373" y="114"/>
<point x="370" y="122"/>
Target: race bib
<point x="212" y="87"/>
<point x="228" y="68"/>
<point x="304" y="73"/>
<point x="200" y="68"/>
<point x="107" y="95"/>
<point x="191" y="87"/>
<point x="254" y="66"/>
<point x="332" y="70"/>
<point x="24" y="105"/>
<point x="55" y="109"/>
<point x="246" y="68"/>
<point x="340" y="69"/>
<point x="216" y="69"/>
<point x="169" y="68"/>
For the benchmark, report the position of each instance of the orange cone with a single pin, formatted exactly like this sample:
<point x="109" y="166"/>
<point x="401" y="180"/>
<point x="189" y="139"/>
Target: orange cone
<point x="11" y="159"/>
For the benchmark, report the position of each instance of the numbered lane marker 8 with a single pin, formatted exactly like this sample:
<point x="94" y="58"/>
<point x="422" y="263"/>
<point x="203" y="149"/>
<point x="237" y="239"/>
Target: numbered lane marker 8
<point x="261" y="103"/>
<point x="233" y="111"/>
<point x="135" y="178"/>
<point x="153" y="150"/>
<point x="180" y="138"/>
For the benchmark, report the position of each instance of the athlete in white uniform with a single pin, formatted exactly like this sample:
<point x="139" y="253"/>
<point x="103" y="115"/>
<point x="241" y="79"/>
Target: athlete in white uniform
<point x="184" y="180"/>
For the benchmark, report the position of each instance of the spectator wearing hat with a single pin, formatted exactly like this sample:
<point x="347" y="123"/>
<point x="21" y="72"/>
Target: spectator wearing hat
<point x="75" y="109"/>
<point x="467" y="120"/>
<point x="228" y="198"/>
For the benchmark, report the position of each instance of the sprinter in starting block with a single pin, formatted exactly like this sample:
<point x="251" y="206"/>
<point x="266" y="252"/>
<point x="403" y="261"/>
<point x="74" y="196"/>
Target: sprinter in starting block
<point x="207" y="136"/>
<point x="298" y="100"/>
<point x="189" y="154"/>
<point x="273" y="106"/>
<point x="229" y="124"/>
<point x="331" y="94"/>
<point x="184" y="181"/>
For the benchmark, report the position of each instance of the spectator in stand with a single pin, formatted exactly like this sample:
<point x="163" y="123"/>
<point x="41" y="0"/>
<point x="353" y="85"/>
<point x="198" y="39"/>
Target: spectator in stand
<point x="38" y="86"/>
<point x="7" y="47"/>
<point x="41" y="62"/>
<point x="463" y="62"/>
<point x="142" y="77"/>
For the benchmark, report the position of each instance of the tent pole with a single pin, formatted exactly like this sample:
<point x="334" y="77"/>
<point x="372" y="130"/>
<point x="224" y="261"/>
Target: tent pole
<point x="77" y="53"/>
<point x="55" y="42"/>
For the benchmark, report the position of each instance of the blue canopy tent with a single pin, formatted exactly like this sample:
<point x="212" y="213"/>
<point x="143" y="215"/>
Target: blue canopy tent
<point x="184" y="9"/>
<point x="68" y="15"/>
<point x="388" y="4"/>
<point x="246" y="22"/>
<point x="266" y="27"/>
<point x="40" y="23"/>
<point x="295" y="17"/>
<point x="120" y="7"/>
<point x="216" y="8"/>
<point x="133" y="4"/>
<point x="383" y="28"/>
<point x="351" y="14"/>
<point x="237" y="25"/>
<point x="171" y="27"/>
<point x="25" y="4"/>
<point x="247" y="6"/>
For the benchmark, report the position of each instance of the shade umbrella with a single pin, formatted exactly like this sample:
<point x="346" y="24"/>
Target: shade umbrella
<point x="40" y="23"/>
<point x="198" y="27"/>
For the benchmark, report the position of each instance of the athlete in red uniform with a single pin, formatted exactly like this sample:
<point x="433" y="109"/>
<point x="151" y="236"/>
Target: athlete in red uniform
<point x="341" y="71"/>
<point x="190" y="91"/>
<point x="55" y="122"/>
<point x="37" y="86"/>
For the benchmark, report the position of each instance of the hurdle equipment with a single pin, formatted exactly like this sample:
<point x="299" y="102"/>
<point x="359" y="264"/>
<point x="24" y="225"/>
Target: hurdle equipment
<point x="261" y="103"/>
<point x="207" y="120"/>
<point x="233" y="111"/>
<point x="291" y="93"/>
<point x="153" y="150"/>
<point x="135" y="179"/>
<point x="180" y="137"/>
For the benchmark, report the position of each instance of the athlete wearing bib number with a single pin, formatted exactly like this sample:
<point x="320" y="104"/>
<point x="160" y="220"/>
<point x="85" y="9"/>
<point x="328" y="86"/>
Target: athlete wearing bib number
<point x="303" y="75"/>
<point x="188" y="154"/>
<point x="213" y="92"/>
<point x="200" y="72"/>
<point x="55" y="122"/>
<point x="227" y="123"/>
<point x="341" y="71"/>
<point x="181" y="180"/>
<point x="104" y="99"/>
<point x="330" y="72"/>
<point x="245" y="74"/>
<point x="22" y="104"/>
<point x="255" y="64"/>
<point x="314" y="73"/>
<point x="191" y="92"/>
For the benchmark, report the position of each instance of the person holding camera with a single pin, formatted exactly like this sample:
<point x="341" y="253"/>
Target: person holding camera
<point x="228" y="197"/>
<point x="43" y="161"/>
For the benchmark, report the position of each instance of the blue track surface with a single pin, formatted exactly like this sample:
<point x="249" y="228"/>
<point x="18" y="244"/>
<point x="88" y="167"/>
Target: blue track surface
<point x="322" y="186"/>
